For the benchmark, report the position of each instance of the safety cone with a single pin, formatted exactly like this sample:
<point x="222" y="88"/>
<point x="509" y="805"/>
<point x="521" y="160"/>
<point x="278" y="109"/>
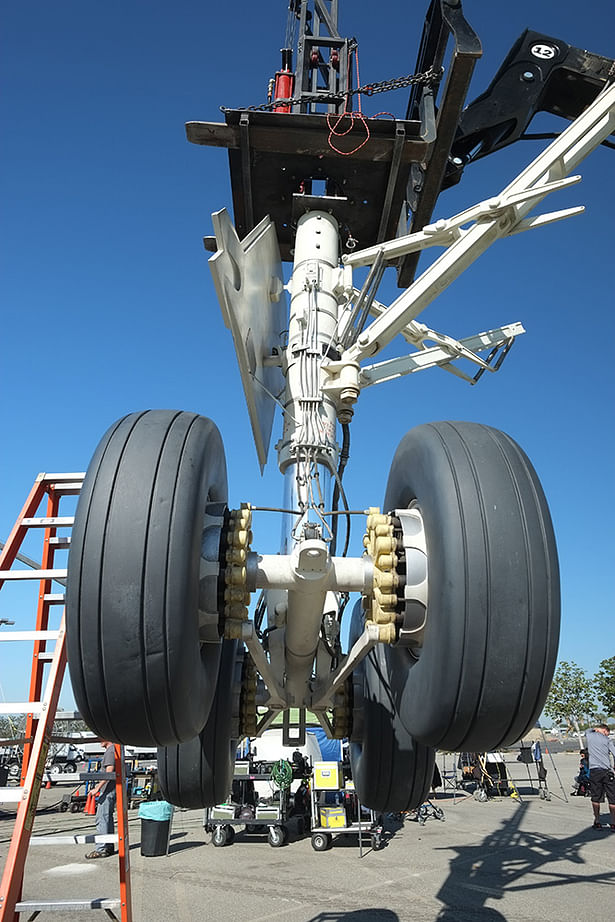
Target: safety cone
<point x="90" y="804"/>
<point x="48" y="785"/>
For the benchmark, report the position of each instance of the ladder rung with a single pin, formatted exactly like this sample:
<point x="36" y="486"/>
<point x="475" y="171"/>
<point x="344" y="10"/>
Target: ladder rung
<point x="22" y="707"/>
<point x="92" y="776"/>
<point x="66" y="489"/>
<point x="10" y="795"/>
<point x="62" y="478"/>
<point x="66" y="905"/>
<point x="49" y="521"/>
<point x="33" y="574"/>
<point x="45" y="657"/>
<point x="62" y="541"/>
<point x="54" y="598"/>
<point x="74" y="840"/>
<point x="29" y="635"/>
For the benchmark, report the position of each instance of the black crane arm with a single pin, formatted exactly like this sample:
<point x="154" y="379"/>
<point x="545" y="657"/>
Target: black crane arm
<point x="539" y="74"/>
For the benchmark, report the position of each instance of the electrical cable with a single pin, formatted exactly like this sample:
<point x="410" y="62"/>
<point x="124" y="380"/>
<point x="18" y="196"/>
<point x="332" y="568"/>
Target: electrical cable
<point x="259" y="614"/>
<point x="344" y="455"/>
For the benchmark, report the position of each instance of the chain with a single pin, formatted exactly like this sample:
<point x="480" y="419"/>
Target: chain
<point x="429" y="78"/>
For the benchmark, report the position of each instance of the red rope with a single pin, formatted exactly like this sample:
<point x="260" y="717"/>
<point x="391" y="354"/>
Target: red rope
<point x="334" y="132"/>
<point x="356" y="64"/>
<point x="358" y="116"/>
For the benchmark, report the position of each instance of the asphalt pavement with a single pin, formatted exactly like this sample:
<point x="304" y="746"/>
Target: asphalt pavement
<point x="518" y="860"/>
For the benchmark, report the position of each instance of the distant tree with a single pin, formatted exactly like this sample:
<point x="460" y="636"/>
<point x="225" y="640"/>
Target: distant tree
<point x="12" y="726"/>
<point x="571" y="697"/>
<point x="604" y="682"/>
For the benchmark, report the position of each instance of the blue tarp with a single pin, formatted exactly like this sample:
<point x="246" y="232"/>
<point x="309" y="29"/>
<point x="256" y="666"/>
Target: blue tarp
<point x="158" y="810"/>
<point x="331" y="750"/>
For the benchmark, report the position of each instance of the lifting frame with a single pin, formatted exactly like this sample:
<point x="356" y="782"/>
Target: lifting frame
<point x="41" y="711"/>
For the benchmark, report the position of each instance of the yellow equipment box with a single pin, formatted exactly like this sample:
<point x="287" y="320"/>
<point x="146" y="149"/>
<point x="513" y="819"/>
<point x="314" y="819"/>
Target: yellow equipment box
<point x="328" y="776"/>
<point x="332" y="817"/>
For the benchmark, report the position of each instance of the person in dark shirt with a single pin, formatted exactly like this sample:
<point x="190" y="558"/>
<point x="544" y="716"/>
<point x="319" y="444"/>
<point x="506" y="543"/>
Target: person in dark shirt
<point x="601" y="750"/>
<point x="105" y="792"/>
<point x="582" y="779"/>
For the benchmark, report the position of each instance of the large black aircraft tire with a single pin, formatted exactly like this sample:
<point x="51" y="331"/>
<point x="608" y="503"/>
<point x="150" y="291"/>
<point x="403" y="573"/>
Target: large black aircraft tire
<point x="391" y="771"/>
<point x="199" y="773"/>
<point x="489" y="649"/>
<point x="139" y="672"/>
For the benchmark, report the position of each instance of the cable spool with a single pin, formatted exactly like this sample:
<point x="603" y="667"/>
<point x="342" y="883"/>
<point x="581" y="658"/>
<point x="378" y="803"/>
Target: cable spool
<point x="282" y="773"/>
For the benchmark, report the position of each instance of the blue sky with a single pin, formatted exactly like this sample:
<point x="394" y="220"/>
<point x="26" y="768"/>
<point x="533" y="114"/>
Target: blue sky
<point x="109" y="305"/>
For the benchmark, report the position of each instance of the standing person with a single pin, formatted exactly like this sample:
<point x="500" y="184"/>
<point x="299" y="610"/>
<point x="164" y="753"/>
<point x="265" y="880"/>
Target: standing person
<point x="601" y="776"/>
<point x="105" y="791"/>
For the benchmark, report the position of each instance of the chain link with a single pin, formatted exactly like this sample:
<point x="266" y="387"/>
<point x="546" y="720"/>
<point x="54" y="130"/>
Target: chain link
<point x="429" y="78"/>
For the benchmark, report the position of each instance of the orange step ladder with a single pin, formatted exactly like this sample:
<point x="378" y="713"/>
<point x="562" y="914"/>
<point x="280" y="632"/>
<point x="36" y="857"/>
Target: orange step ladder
<point x="41" y="707"/>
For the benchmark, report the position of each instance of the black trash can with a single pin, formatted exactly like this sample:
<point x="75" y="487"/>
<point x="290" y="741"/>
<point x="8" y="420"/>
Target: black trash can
<point x="4" y="775"/>
<point x="154" y="837"/>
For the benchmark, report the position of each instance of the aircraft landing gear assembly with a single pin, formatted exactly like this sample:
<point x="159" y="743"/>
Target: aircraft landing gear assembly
<point x="453" y="637"/>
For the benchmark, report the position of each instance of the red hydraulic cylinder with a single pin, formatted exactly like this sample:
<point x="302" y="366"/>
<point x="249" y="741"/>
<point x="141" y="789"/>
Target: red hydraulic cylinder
<point x="284" y="82"/>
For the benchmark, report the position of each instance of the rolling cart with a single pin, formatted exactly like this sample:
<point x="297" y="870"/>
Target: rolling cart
<point x="244" y="809"/>
<point x="337" y="811"/>
<point x="143" y="787"/>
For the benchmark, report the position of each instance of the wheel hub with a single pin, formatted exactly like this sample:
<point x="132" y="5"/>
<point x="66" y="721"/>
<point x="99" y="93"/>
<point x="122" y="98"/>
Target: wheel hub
<point x="234" y="595"/>
<point x="398" y="603"/>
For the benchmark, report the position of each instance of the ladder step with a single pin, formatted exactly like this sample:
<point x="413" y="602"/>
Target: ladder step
<point x="63" y="541"/>
<point x="10" y="795"/>
<point x="62" y="478"/>
<point x="74" y="840"/>
<point x="54" y="598"/>
<point x="33" y="574"/>
<point x="68" y="489"/>
<point x="93" y="776"/>
<point x="22" y="707"/>
<point x="29" y="635"/>
<point x="66" y="905"/>
<point x="45" y="657"/>
<point x="49" y="521"/>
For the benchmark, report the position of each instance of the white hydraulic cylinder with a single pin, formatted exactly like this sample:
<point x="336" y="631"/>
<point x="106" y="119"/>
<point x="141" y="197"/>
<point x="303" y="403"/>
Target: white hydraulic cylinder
<point x="310" y="417"/>
<point x="308" y="450"/>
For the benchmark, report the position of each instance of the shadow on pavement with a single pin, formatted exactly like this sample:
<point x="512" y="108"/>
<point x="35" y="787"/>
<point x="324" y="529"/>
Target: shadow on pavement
<point x="498" y="864"/>
<point x="358" y="915"/>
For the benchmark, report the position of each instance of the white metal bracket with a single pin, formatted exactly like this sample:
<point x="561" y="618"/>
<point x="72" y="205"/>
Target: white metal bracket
<point x="324" y="694"/>
<point x="443" y="354"/>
